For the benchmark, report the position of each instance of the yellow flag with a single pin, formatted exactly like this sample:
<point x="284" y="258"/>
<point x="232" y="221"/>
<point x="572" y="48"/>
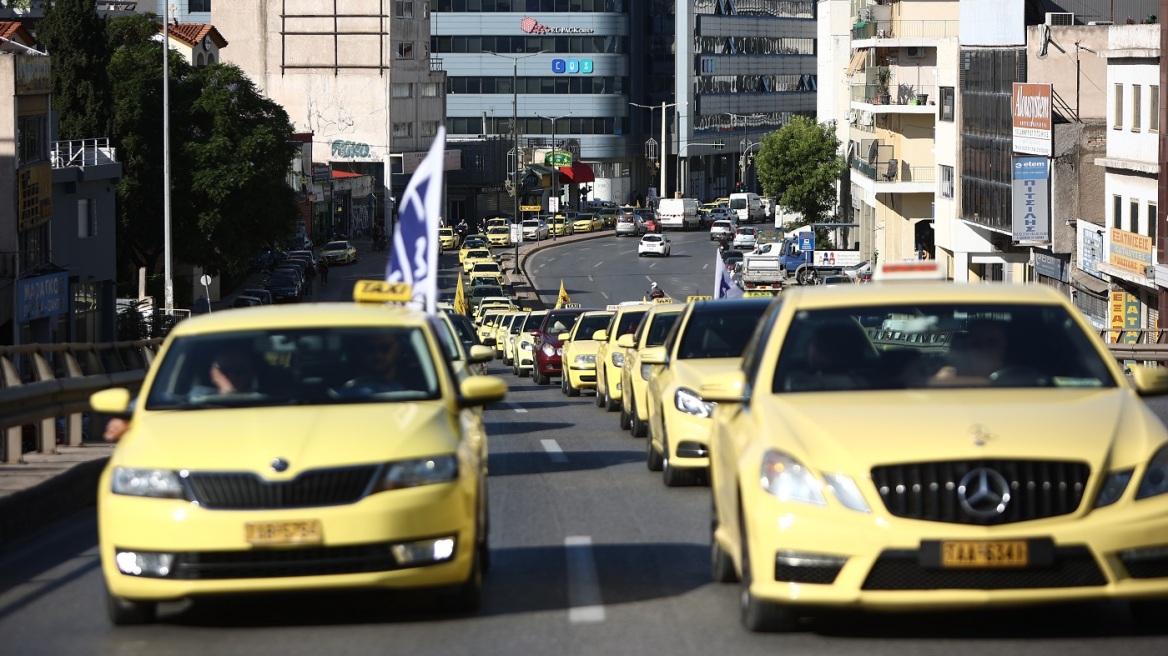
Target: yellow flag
<point x="460" y="299"/>
<point x="563" y="297"/>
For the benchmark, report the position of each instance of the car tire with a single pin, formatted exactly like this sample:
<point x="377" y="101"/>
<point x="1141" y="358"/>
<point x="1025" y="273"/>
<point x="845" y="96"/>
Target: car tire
<point x="721" y="565"/>
<point x="758" y="615"/>
<point x="573" y="391"/>
<point x="125" y="612"/>
<point x="624" y="420"/>
<point x="670" y="475"/>
<point x="467" y="597"/>
<point x="564" y="385"/>
<point x="640" y="428"/>
<point x="610" y="404"/>
<point x="539" y="378"/>
<point x="599" y="397"/>
<point x="653" y="460"/>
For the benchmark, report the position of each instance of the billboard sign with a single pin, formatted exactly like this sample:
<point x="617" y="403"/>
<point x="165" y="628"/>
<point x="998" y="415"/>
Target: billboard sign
<point x="42" y="296"/>
<point x="1031" y="201"/>
<point x="1129" y="251"/>
<point x="1033" y="124"/>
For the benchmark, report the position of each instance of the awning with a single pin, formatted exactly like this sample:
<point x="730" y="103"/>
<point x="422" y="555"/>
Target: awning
<point x="1089" y="283"/>
<point x="859" y="58"/>
<point x="540" y="169"/>
<point x="578" y="172"/>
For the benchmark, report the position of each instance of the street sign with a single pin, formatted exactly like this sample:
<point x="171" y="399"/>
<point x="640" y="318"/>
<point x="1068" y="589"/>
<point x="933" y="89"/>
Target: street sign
<point x="205" y="280"/>
<point x="558" y="158"/>
<point x="529" y="208"/>
<point x="553" y="205"/>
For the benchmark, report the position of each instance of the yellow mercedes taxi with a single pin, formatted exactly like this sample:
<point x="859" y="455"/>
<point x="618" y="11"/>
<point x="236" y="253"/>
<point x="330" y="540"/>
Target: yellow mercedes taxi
<point x="488" y="268"/>
<point x="708" y="338"/>
<point x="524" y="359"/>
<point x="296" y="448"/>
<point x="502" y="330"/>
<point x="561" y="226"/>
<point x="475" y="256"/>
<point x="920" y="446"/>
<point x="610" y="357"/>
<point x="579" y="358"/>
<point x="587" y="223"/>
<point x="654" y="328"/>
<point x="447" y="239"/>
<point x="471" y="243"/>
<point x="499" y="235"/>
<point x="488" y="322"/>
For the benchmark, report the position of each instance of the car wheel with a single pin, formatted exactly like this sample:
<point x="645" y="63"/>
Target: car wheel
<point x="640" y="427"/>
<point x="515" y="368"/>
<point x="572" y="389"/>
<point x="759" y="615"/>
<point x="670" y="475"/>
<point x="653" y="460"/>
<point x="124" y="612"/>
<point x="539" y="378"/>
<point x="624" y="421"/>
<point x="721" y="565"/>
<point x="610" y="404"/>
<point x="467" y="598"/>
<point x="599" y="397"/>
<point x="564" y="385"/>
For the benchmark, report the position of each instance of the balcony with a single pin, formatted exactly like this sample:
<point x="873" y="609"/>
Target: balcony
<point x="904" y="95"/>
<point x="905" y="29"/>
<point x="83" y="153"/>
<point x="891" y="174"/>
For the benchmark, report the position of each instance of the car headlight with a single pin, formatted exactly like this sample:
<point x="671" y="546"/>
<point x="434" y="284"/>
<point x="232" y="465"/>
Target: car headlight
<point x="589" y="359"/>
<point x="788" y="480"/>
<point x="560" y="351"/>
<point x="422" y="471"/>
<point x="1155" y="480"/>
<point x="646" y="369"/>
<point x="1113" y="488"/>
<point x="549" y="350"/>
<point x="847" y="492"/>
<point x="689" y="402"/>
<point x="526" y="346"/>
<point x="157" y="483"/>
<point x="618" y="360"/>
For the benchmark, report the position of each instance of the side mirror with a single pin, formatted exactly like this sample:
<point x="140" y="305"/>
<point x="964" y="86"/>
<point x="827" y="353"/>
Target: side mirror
<point x="1148" y="381"/>
<point x="654" y="355"/>
<point x="600" y="335"/>
<point x="481" y="390"/>
<point x="489" y="341"/>
<point x="725" y="387"/>
<point x="481" y="353"/>
<point x="114" y="402"/>
<point x="626" y="341"/>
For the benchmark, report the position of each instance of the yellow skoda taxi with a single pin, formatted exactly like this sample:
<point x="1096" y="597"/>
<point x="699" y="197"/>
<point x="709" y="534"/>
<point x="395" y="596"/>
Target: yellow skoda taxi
<point x="587" y="223"/>
<point x="447" y="239"/>
<point x="525" y="344"/>
<point x="708" y="338"/>
<point x="475" y="256"/>
<point x="499" y="235"/>
<point x="929" y="446"/>
<point x="579" y="359"/>
<point x="560" y="226"/>
<point x="296" y="447"/>
<point x="654" y="328"/>
<point x="610" y="357"/>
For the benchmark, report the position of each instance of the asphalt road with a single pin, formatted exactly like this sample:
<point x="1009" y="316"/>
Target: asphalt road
<point x="591" y="553"/>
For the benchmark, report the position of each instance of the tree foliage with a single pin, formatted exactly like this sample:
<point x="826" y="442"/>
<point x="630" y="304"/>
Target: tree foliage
<point x="74" y="35"/>
<point x="799" y="164"/>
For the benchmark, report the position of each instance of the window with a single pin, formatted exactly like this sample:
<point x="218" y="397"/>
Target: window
<point x="199" y="5"/>
<point x="1118" y="107"/>
<point x="946" y="181"/>
<point x="1152" y="223"/>
<point x="947" y="104"/>
<point x="86" y="218"/>
<point x="1117" y="212"/>
<point x="1153" y="108"/>
<point x="1136" y="122"/>
<point x="403" y="9"/>
<point x="32" y="137"/>
<point x="402" y="90"/>
<point x="405" y="50"/>
<point x="1134" y="219"/>
<point x="429" y="128"/>
<point x="403" y="129"/>
<point x="430" y="89"/>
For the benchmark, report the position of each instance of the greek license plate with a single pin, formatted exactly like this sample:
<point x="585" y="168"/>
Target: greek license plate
<point x="977" y="553"/>
<point x="283" y="532"/>
<point x="757" y="292"/>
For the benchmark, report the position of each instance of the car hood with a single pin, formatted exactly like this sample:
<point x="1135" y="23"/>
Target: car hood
<point x="584" y="346"/>
<point x="689" y="372"/>
<point x="1106" y="428"/>
<point x="305" y="436"/>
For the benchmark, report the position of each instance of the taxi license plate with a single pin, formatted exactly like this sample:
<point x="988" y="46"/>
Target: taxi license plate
<point x="960" y="554"/>
<point x="262" y="533"/>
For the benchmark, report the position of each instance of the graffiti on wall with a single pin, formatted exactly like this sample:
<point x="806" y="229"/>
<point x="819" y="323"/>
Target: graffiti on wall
<point x="350" y="149"/>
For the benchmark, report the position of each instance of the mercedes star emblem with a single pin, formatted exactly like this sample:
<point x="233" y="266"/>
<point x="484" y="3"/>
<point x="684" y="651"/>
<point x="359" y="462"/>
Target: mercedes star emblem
<point x="984" y="493"/>
<point x="279" y="465"/>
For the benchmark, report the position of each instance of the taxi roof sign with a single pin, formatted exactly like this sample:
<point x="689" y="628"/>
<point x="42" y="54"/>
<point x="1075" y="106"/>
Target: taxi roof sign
<point x="381" y="291"/>
<point x="698" y="297"/>
<point x="909" y="270"/>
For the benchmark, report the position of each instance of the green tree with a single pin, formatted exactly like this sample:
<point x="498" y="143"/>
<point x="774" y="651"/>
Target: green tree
<point x="74" y="35"/>
<point x="799" y="164"/>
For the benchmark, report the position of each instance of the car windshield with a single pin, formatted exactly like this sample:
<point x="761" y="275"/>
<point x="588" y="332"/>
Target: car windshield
<point x="483" y="291"/>
<point x="336" y="246"/>
<point x="561" y="323"/>
<point x="591" y="323"/>
<point x="931" y="346"/>
<point x="627" y="325"/>
<point x="533" y="321"/>
<point x="294" y="366"/>
<point x="464" y="328"/>
<point x="531" y="224"/>
<point x="719" y="332"/>
<point x="473" y="243"/>
<point x="649" y="238"/>
<point x="484" y="254"/>
<point x="659" y="329"/>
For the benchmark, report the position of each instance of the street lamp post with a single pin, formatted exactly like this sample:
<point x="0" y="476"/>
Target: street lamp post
<point x="515" y="134"/>
<point x="664" y="141"/>
<point x="743" y="143"/>
<point x="555" y="174"/>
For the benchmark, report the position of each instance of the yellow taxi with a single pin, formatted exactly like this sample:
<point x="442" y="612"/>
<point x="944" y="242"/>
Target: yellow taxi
<point x="499" y="235"/>
<point x="524" y="359"/>
<point x="471" y="243"/>
<point x="610" y="357"/>
<point x="490" y="269"/>
<point x="447" y="239"/>
<point x="502" y="329"/>
<point x="465" y="361"/>
<point x="495" y="304"/>
<point x="475" y="256"/>
<point x="932" y="447"/>
<point x="560" y="226"/>
<point x="296" y="448"/>
<point x="488" y="322"/>
<point x="587" y="223"/>
<point x="512" y="336"/>
<point x="579" y="358"/>
<point x="498" y="222"/>
<point x="654" y="328"/>
<point x="709" y="338"/>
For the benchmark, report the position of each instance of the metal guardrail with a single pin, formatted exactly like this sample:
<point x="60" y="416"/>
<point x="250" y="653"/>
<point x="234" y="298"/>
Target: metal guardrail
<point x="42" y="382"/>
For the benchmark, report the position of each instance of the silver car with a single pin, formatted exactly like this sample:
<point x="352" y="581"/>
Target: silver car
<point x="535" y="230"/>
<point x="722" y="227"/>
<point x="630" y="224"/>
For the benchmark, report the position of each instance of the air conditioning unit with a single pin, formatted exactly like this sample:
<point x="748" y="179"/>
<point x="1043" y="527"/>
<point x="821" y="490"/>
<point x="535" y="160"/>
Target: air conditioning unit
<point x="1060" y="18"/>
<point x="914" y="52"/>
<point x="866" y="118"/>
<point x="852" y="116"/>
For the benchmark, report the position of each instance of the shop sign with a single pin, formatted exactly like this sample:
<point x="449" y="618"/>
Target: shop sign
<point x="322" y="173"/>
<point x="572" y="66"/>
<point x="1129" y="251"/>
<point x="42" y="296"/>
<point x="1052" y="266"/>
<point x="1031" y="201"/>
<point x="34" y="195"/>
<point x="33" y="75"/>
<point x="532" y="26"/>
<point x="1125" y="316"/>
<point x="558" y="158"/>
<point x="1032" y="119"/>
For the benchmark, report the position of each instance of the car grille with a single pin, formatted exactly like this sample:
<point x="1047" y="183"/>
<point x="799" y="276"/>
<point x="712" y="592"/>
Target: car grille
<point x="248" y="491"/>
<point x="818" y="574"/>
<point x="1145" y="568"/>
<point x="929" y="491"/>
<point x="271" y="563"/>
<point x="1073" y="567"/>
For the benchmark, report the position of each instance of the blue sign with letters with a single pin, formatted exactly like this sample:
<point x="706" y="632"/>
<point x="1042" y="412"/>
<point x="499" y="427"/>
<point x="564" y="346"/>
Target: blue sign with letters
<point x="571" y="66"/>
<point x="42" y="296"/>
<point x="807" y="241"/>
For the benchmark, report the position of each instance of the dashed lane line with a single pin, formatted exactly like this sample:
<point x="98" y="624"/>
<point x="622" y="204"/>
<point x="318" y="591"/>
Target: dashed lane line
<point x="554" y="451"/>
<point x="584" y="603"/>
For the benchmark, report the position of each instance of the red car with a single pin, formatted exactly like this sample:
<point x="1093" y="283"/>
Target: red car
<point x="549" y="344"/>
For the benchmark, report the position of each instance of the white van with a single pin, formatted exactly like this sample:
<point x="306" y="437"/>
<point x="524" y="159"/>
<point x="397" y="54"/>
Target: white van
<point x="678" y="213"/>
<point x="748" y="207"/>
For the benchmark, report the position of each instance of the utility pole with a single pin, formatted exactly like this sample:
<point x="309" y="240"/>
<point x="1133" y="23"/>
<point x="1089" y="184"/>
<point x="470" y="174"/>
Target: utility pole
<point x="664" y="142"/>
<point x="555" y="172"/>
<point x="167" y="255"/>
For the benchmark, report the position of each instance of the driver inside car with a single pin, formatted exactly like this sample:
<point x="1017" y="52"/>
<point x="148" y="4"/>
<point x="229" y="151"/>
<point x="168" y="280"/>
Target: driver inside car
<point x="977" y="353"/>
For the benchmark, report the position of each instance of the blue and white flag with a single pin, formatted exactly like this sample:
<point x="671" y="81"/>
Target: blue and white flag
<point x="414" y="255"/>
<point x="724" y="287"/>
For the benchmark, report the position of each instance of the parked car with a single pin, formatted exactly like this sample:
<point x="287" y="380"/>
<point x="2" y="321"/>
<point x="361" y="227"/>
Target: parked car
<point x="338" y="252"/>
<point x="246" y="301"/>
<point x="587" y="223"/>
<point x="630" y="224"/>
<point x="264" y="295"/>
<point x="283" y="288"/>
<point x="535" y="230"/>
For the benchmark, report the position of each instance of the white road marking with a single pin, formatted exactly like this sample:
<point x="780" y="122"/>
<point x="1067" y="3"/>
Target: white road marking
<point x="652" y="265"/>
<point x="584" y="603"/>
<point x="517" y="408"/>
<point x="598" y="264"/>
<point x="706" y="265"/>
<point x="590" y="278"/>
<point x="553" y="450"/>
<point x="604" y="295"/>
<point x="648" y="278"/>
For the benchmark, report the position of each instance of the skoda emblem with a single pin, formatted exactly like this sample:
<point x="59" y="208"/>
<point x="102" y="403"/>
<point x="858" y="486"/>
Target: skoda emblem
<point x="279" y="465"/>
<point x="984" y="493"/>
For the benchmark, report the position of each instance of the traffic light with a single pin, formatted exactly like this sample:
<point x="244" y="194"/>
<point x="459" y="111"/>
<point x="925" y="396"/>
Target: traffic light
<point x="739" y="187"/>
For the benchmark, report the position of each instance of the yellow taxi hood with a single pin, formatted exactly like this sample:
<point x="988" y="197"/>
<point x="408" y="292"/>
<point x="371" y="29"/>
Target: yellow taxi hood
<point x="584" y="346"/>
<point x="304" y="436"/>
<point x="689" y="372"/>
<point x="851" y="432"/>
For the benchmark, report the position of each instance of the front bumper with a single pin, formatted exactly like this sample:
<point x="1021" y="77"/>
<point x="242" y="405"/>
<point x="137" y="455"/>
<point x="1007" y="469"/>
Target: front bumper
<point x="582" y="377"/>
<point x="688" y="436"/>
